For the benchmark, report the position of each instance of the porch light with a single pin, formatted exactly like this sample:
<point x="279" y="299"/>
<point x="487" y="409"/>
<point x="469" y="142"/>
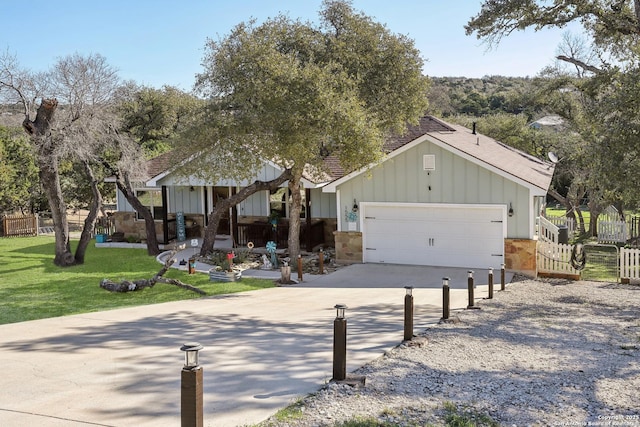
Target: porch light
<point x="510" y="209"/>
<point x="340" y="310"/>
<point x="355" y="206"/>
<point x="409" y="290"/>
<point x="191" y="355"/>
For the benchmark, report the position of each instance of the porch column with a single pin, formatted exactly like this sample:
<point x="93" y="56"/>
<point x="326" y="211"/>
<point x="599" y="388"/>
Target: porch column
<point x="234" y="216"/>
<point x="165" y="215"/>
<point x="309" y="243"/>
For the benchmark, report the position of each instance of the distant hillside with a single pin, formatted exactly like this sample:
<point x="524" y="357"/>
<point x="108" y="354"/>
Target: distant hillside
<point x="478" y="97"/>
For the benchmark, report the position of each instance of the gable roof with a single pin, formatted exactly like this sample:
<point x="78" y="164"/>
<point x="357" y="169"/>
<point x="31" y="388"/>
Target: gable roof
<point x="481" y="149"/>
<point x="426" y="124"/>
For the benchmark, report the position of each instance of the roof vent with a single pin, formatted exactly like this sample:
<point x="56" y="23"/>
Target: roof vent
<point x="429" y="162"/>
<point x="473" y="131"/>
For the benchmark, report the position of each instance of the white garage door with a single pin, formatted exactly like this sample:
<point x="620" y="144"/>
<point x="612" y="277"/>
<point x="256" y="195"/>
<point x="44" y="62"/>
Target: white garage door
<point x="431" y="234"/>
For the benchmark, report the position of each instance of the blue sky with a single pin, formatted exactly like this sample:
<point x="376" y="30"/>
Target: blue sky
<point x="158" y="42"/>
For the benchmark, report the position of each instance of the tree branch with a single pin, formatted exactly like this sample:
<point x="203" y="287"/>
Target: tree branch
<point x="580" y="64"/>
<point x="136" y="285"/>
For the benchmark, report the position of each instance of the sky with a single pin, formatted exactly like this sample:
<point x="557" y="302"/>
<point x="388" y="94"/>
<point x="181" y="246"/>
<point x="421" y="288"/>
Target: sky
<point x="161" y="42"/>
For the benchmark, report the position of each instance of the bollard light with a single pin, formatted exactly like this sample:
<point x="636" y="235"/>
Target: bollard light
<point x="340" y="310"/>
<point x="191" y="355"/>
<point x="490" y="283"/>
<point x="470" y="290"/>
<point x="191" y="386"/>
<point x="445" y="298"/>
<point x="340" y="344"/>
<point x="408" y="314"/>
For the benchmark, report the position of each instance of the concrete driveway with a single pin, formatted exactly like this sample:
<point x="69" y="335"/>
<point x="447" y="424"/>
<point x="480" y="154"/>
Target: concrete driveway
<point x="262" y="349"/>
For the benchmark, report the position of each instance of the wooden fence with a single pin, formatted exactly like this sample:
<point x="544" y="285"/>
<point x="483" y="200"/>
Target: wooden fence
<point x="20" y="225"/>
<point x="629" y="264"/>
<point x="555" y="259"/>
<point x="611" y="228"/>
<point x="547" y="231"/>
<point x="563" y="220"/>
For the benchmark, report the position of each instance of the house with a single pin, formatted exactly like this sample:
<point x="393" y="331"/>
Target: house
<point x="443" y="195"/>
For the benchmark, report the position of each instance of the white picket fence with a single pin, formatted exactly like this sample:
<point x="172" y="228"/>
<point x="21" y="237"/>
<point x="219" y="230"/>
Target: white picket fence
<point x="630" y="263"/>
<point x="547" y="231"/>
<point x="554" y="258"/>
<point x="563" y="220"/>
<point x="611" y="229"/>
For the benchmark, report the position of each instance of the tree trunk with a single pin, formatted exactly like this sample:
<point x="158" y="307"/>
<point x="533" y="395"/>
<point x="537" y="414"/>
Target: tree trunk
<point x="594" y="210"/>
<point x="39" y="131"/>
<point x="90" y="220"/>
<point x="224" y="205"/>
<point x="295" y="186"/>
<point x="124" y="185"/>
<point x="137" y="285"/>
<point x="573" y="211"/>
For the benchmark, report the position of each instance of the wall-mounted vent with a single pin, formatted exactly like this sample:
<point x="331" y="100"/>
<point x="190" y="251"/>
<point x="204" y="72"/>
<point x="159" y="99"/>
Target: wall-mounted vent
<point x="429" y="162"/>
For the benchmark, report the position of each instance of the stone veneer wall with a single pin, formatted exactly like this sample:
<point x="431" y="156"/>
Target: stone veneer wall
<point x="348" y="246"/>
<point x="520" y="256"/>
<point x="126" y="223"/>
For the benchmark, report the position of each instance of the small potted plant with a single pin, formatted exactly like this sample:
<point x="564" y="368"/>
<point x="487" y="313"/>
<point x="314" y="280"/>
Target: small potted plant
<point x="224" y="271"/>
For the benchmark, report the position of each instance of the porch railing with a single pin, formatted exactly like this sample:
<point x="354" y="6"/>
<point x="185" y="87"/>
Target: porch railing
<point x="547" y="231"/>
<point x="261" y="232"/>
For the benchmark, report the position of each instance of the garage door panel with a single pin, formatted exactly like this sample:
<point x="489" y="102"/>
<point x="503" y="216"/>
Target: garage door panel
<point x="460" y="235"/>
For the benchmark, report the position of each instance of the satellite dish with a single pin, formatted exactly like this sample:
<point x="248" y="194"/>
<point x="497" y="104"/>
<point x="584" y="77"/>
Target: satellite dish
<point x="553" y="157"/>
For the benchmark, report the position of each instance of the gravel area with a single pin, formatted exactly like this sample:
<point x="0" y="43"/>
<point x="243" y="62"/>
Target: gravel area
<point x="542" y="353"/>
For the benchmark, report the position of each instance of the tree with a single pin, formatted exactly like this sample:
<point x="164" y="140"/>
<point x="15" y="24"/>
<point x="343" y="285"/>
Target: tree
<point x="294" y="93"/>
<point x="600" y="98"/>
<point x="71" y="121"/>
<point x="18" y="173"/>
<point x="151" y="118"/>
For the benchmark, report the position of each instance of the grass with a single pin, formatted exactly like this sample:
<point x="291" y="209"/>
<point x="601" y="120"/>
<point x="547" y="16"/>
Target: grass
<point x="32" y="287"/>
<point x="466" y="417"/>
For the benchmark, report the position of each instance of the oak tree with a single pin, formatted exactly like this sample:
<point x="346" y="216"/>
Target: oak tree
<point x="295" y="92"/>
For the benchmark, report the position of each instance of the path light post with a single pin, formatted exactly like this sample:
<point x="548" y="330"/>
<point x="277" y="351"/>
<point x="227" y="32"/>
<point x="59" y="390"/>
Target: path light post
<point x="340" y="344"/>
<point x="445" y="298"/>
<point x="408" y="313"/>
<point x="191" y="387"/>
<point x="502" y="284"/>
<point x="490" y="282"/>
<point x="321" y="261"/>
<point x="470" y="290"/>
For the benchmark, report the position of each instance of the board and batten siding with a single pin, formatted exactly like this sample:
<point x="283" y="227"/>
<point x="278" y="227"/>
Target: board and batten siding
<point x="188" y="201"/>
<point x="323" y="205"/>
<point x="455" y="180"/>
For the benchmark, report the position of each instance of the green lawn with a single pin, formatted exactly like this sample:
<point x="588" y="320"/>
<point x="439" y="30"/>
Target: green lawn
<point x="561" y="212"/>
<point x="32" y="287"/>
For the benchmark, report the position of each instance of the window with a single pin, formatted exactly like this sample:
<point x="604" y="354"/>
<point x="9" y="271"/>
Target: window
<point x="280" y="203"/>
<point x="152" y="199"/>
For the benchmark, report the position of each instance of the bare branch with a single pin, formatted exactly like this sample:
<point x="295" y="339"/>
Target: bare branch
<point x="580" y="64"/>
